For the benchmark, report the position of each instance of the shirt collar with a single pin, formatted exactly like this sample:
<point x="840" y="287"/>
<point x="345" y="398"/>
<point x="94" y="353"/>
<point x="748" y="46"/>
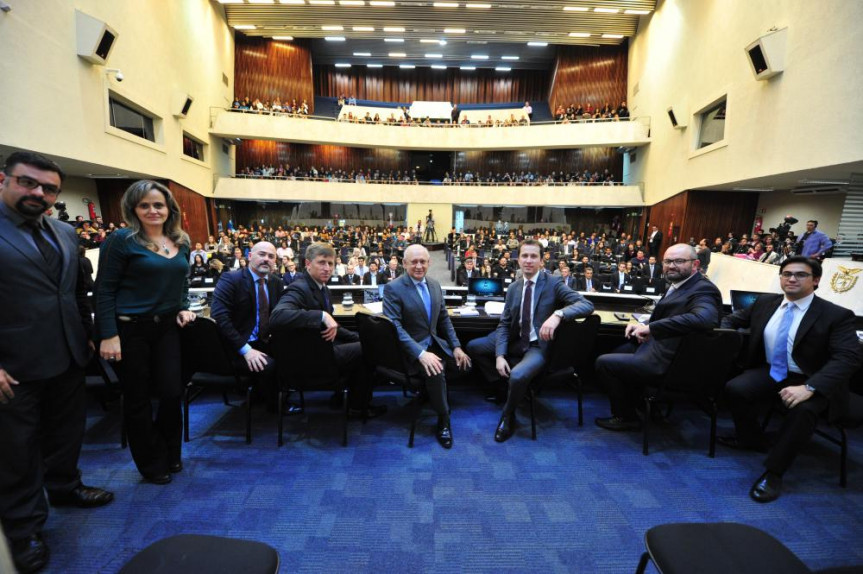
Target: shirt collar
<point x="802" y="304"/>
<point x="417" y="283"/>
<point x="256" y="277"/>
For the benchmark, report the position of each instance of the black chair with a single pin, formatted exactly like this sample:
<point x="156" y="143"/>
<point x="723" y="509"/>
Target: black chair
<point x="207" y="364"/>
<point x="698" y="374"/>
<point x="199" y="554"/>
<point x="100" y="376"/>
<point x="306" y="362"/>
<point x="382" y="352"/>
<point x="720" y="548"/>
<point x="572" y="350"/>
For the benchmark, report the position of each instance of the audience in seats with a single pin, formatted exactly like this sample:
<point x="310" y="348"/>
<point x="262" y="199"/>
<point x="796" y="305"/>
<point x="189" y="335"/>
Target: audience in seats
<point x="582" y="113"/>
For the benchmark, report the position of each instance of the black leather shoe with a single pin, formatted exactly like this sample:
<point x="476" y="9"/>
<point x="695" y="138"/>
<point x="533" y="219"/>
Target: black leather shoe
<point x="158" y="478"/>
<point x="737" y="444"/>
<point x="82" y="497"/>
<point x="444" y="436"/>
<point x="767" y="488"/>
<point x="175" y="467"/>
<point x="30" y="554"/>
<point x="505" y="428"/>
<point x="618" y="423"/>
<point x="292" y="409"/>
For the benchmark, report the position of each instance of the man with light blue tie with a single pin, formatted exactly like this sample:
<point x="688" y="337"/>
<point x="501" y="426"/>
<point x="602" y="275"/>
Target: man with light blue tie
<point x="802" y="350"/>
<point x="415" y="305"/>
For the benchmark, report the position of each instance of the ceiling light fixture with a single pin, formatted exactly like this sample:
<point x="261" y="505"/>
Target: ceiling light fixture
<point x="364" y="28"/>
<point x="438" y="67"/>
<point x="394" y="29"/>
<point x="394" y="40"/>
<point x="605" y="10"/>
<point x="579" y="35"/>
<point x="407" y="66"/>
<point x="283" y="38"/>
<point x="434" y="55"/>
<point x="575" y="8"/>
<point x="332" y="28"/>
<point x="362" y="54"/>
<point x="343" y="65"/>
<point x="397" y="55"/>
<point x="262" y="1"/>
<point x="352" y="3"/>
<point x="478" y="57"/>
<point x="244" y="27"/>
<point x="537" y="44"/>
<point x="612" y="36"/>
<point x="374" y="65"/>
<point x="467" y="68"/>
<point x="637" y="12"/>
<point x="292" y="2"/>
<point x="334" y="38"/>
<point x="454" y="30"/>
<point x="509" y="57"/>
<point x="503" y="69"/>
<point x="381" y="3"/>
<point x="322" y="2"/>
<point x="475" y="5"/>
<point x="445" y="4"/>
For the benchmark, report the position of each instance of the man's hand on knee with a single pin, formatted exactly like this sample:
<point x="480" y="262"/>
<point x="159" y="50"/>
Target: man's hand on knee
<point x="793" y="396"/>
<point x="6" y="384"/>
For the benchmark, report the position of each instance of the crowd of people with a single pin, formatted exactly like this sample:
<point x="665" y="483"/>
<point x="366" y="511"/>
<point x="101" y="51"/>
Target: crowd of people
<point x="587" y="112"/>
<point x="276" y="107"/>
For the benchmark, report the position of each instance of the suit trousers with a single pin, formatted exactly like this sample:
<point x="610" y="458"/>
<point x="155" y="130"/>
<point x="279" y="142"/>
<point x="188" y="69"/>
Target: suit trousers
<point x="749" y="396"/>
<point x="435" y="385"/>
<point x="523" y="369"/>
<point x="42" y="429"/>
<point x="151" y="368"/>
<point x="624" y="374"/>
<point x="349" y="358"/>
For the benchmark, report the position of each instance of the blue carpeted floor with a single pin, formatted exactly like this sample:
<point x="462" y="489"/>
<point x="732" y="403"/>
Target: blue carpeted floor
<point x="576" y="500"/>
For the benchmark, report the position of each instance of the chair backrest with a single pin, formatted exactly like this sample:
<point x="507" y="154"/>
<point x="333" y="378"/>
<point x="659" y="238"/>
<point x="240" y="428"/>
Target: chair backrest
<point x="380" y="342"/>
<point x="703" y="361"/>
<point x="303" y="357"/>
<point x="574" y="343"/>
<point x="204" y="350"/>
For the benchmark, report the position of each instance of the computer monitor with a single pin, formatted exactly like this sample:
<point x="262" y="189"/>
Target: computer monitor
<point x="485" y="287"/>
<point x="743" y="299"/>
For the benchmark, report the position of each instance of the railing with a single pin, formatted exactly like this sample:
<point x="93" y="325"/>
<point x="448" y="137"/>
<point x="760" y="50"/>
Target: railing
<point x="412" y="182"/>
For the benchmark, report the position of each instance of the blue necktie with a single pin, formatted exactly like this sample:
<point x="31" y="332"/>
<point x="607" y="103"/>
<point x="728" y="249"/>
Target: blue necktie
<point x="424" y="293"/>
<point x="779" y="361"/>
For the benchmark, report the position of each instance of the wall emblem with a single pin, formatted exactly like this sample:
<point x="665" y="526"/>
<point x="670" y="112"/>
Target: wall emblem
<point x="844" y="279"/>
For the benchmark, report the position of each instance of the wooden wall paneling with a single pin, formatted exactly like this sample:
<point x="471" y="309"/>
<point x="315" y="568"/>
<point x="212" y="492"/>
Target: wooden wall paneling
<point x="585" y="74"/>
<point x="110" y="193"/>
<point x="194" y="209"/>
<point x="712" y="214"/>
<point x="253" y="153"/>
<point x="267" y="69"/>
<point x="542" y="161"/>
<point x="669" y="216"/>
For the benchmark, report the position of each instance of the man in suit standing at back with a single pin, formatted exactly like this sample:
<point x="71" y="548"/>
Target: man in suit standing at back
<point x="45" y="329"/>
<point x="415" y="304"/>
<point x="802" y="350"/>
<point x="691" y="304"/>
<point x="654" y="242"/>
<point x="536" y="304"/>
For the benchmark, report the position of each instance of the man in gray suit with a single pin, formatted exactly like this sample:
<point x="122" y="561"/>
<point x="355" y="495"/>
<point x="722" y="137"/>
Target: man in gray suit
<point x="536" y="304"/>
<point x="414" y="303"/>
<point x="44" y="345"/>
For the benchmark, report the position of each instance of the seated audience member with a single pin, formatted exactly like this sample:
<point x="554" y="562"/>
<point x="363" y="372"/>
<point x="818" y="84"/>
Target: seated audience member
<point x="234" y="262"/>
<point x="198" y="268"/>
<point x="211" y="246"/>
<point x="518" y="350"/>
<point x="464" y="273"/>
<point x="351" y="277"/>
<point x="372" y="277"/>
<point x="393" y="270"/>
<point x="214" y="270"/>
<point x="769" y="256"/>
<point x="620" y="278"/>
<point x="586" y="282"/>
<point x="486" y="270"/>
<point x="290" y="274"/>
<point x="692" y="304"/>
<point x="307" y="305"/>
<point x="561" y="264"/>
<point x="199" y="250"/>
<point x="802" y="350"/>
<point x="566" y="277"/>
<point x="502" y="269"/>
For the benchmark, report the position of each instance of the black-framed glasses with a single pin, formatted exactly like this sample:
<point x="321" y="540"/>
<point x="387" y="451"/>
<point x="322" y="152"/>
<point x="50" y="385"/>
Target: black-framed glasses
<point x="675" y="262"/>
<point x="799" y="275"/>
<point x="29" y="183"/>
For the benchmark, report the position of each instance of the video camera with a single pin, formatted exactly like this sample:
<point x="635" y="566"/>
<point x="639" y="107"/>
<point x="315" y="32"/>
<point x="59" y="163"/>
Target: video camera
<point x="783" y="228"/>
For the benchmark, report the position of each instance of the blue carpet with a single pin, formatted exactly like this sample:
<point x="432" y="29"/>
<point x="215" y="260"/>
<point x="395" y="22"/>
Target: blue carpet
<point x="576" y="500"/>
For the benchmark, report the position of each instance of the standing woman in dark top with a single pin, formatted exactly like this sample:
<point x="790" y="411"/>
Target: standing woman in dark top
<point x="141" y="300"/>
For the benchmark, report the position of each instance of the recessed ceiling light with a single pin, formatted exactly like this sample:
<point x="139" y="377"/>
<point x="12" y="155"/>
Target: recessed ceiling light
<point x="283" y="38"/>
<point x="537" y="44"/>
<point x="244" y="27"/>
<point x="605" y="10"/>
<point x="638" y="12"/>
<point x="478" y="57"/>
<point x="575" y="8"/>
<point x="262" y="1"/>
<point x="434" y="55"/>
<point x="445" y="4"/>
<point x="364" y="28"/>
<point x="323" y="2"/>
<point x="394" y="29"/>
<point x="475" y="5"/>
<point x="374" y="65"/>
<point x="612" y="36"/>
<point x="438" y="67"/>
<point x="332" y="28"/>
<point x="394" y="40"/>
<point x="362" y="54"/>
<point x="292" y="1"/>
<point x="467" y="68"/>
<point x="503" y="69"/>
<point x="407" y="66"/>
<point x="397" y="55"/>
<point x="352" y="2"/>
<point x="334" y="38"/>
<point x="381" y="3"/>
<point x="454" y="30"/>
<point x="509" y="57"/>
<point x="579" y="35"/>
<point x="343" y="65"/>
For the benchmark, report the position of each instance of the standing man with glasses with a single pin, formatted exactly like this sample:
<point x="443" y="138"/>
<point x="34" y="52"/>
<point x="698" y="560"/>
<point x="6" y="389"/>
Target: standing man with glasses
<point x="691" y="304"/>
<point x="802" y="351"/>
<point x="45" y="332"/>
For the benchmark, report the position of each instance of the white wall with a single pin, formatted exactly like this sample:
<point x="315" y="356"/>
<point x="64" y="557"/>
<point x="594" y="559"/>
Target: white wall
<point x="56" y="103"/>
<point x="75" y="190"/>
<point x="826" y="210"/>
<point x="689" y="53"/>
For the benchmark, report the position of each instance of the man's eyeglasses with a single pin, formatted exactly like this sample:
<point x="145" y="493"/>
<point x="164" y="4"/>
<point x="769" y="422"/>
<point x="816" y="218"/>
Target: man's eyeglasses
<point x="30" y="183"/>
<point x="799" y="275"/>
<point x="675" y="262"/>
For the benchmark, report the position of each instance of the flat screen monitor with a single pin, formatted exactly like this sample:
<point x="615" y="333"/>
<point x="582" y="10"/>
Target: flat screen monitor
<point x="743" y="299"/>
<point x="485" y="287"/>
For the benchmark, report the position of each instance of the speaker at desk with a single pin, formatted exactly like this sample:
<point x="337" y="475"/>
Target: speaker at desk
<point x="766" y="55"/>
<point x="96" y="39"/>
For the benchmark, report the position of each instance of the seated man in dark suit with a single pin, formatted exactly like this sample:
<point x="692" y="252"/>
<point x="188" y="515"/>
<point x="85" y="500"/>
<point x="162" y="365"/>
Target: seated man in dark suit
<point x="307" y="304"/>
<point x="803" y="350"/>
<point x="620" y="278"/>
<point x="518" y="349"/>
<point x="415" y="304"/>
<point x="691" y="304"/>
<point x="351" y="277"/>
<point x="372" y="277"/>
<point x="393" y="271"/>
<point x="566" y="277"/>
<point x="464" y="273"/>
<point x="587" y="282"/>
<point x="290" y="274"/>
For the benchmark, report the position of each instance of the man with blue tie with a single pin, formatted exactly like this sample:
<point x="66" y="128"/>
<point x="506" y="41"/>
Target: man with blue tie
<point x="415" y="305"/>
<point x="802" y="350"/>
<point x="586" y="283"/>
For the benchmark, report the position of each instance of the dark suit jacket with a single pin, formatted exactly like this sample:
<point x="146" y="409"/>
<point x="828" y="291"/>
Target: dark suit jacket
<point x="287" y="279"/>
<point x="461" y="278"/>
<point x="367" y="279"/>
<point x="581" y="283"/>
<point x="569" y="282"/>
<point x="692" y="308"/>
<point x="404" y="307"/>
<point x="825" y="345"/>
<point x="615" y="279"/>
<point x="43" y="323"/>
<point x="354" y="279"/>
<point x="654" y="243"/>
<point x="386" y="274"/>
<point x="550" y="294"/>
<point x="300" y="308"/>
<point x="235" y="304"/>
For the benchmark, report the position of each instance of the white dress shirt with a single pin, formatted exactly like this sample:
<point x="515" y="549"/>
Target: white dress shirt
<point x="772" y="328"/>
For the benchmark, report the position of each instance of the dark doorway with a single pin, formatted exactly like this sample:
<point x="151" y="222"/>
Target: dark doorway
<point x="431" y="165"/>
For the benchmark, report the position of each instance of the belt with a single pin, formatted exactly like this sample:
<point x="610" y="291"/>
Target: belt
<point x="145" y="318"/>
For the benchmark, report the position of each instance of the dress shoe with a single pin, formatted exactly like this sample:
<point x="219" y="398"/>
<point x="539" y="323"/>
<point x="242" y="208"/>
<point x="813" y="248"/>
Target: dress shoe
<point x="737" y="444"/>
<point x="82" y="497"/>
<point x="370" y="412"/>
<point x="30" y="554"/>
<point x="158" y="478"/>
<point x="618" y="423"/>
<point x="767" y="488"/>
<point x="505" y="428"/>
<point x="292" y="409"/>
<point x="175" y="467"/>
<point x="444" y="435"/>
